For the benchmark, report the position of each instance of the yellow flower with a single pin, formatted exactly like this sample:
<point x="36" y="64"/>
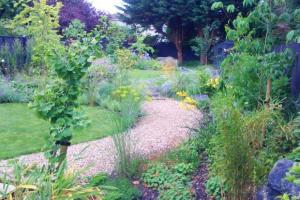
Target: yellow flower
<point x="214" y="82"/>
<point x="181" y="94"/>
<point x="190" y="101"/>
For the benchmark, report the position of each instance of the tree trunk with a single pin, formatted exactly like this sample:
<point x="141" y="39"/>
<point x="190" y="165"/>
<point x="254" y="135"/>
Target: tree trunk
<point x="63" y="153"/>
<point x="203" y="59"/>
<point x="178" y="42"/>
<point x="268" y="93"/>
<point x="267" y="101"/>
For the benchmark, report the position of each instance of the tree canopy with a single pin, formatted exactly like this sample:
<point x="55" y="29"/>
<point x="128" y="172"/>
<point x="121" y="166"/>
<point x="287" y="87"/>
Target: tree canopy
<point x="179" y="20"/>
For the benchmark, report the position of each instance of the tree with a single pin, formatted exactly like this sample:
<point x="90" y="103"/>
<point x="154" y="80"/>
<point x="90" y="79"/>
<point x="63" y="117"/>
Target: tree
<point x="179" y="20"/>
<point x="81" y="10"/>
<point x="39" y="21"/>
<point x="58" y="102"/>
<point x="75" y="30"/>
<point x="10" y="8"/>
<point x="202" y="44"/>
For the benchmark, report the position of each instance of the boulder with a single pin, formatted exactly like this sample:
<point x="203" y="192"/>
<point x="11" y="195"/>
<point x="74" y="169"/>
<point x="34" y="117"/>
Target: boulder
<point x="168" y="61"/>
<point x="201" y="97"/>
<point x="277" y="184"/>
<point x="167" y="88"/>
<point x="277" y="176"/>
<point x="267" y="193"/>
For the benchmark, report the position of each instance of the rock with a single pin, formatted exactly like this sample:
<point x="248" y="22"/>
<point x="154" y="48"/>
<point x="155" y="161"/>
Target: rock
<point x="201" y="97"/>
<point x="214" y="73"/>
<point x="184" y="69"/>
<point x="267" y="193"/>
<point x="168" y="61"/>
<point x="276" y="179"/>
<point x="166" y="88"/>
<point x="277" y="183"/>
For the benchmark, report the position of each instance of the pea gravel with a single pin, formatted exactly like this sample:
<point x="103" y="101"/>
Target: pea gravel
<point x="165" y="125"/>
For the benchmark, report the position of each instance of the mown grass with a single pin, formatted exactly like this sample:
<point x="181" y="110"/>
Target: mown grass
<point x="22" y="132"/>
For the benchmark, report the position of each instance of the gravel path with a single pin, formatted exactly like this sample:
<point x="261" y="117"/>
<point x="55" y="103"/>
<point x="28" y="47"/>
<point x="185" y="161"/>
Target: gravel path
<point x="164" y="126"/>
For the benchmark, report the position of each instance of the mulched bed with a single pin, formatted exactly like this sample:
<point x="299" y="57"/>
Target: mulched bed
<point x="199" y="179"/>
<point x="148" y="194"/>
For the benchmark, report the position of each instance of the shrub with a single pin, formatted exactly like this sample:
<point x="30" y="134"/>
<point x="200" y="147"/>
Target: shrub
<point x="33" y="182"/>
<point x="116" y="188"/>
<point x="19" y="90"/>
<point x="215" y="187"/>
<point x="125" y="59"/>
<point x="148" y="64"/>
<point x="172" y="183"/>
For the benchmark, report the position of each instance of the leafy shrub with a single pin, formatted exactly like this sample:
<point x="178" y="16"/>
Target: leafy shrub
<point x="116" y="188"/>
<point x="75" y="30"/>
<point x="38" y="183"/>
<point x="156" y="176"/>
<point x="125" y="59"/>
<point x="171" y="182"/>
<point x="19" y="90"/>
<point x="16" y="57"/>
<point x="148" y="64"/>
<point x="215" y="187"/>
<point x="8" y="93"/>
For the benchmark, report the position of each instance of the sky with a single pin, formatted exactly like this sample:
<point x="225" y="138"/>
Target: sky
<point x="107" y="5"/>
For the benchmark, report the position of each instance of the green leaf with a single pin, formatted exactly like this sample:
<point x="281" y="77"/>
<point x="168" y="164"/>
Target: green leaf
<point x="230" y="8"/>
<point x="217" y="5"/>
<point x="290" y="36"/>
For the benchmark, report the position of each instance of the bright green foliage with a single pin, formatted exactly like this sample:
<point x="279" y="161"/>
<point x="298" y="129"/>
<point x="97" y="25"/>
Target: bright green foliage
<point x="238" y="144"/>
<point x="171" y="182"/>
<point x="116" y="188"/>
<point x="125" y="59"/>
<point x="58" y="103"/>
<point x="140" y="47"/>
<point x="38" y="183"/>
<point x="114" y="34"/>
<point x="173" y="179"/>
<point x="40" y="22"/>
<point x="75" y="30"/>
<point x="215" y="187"/>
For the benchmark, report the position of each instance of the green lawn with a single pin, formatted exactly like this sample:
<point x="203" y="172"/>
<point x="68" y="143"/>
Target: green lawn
<point x="22" y="132"/>
<point x="138" y="74"/>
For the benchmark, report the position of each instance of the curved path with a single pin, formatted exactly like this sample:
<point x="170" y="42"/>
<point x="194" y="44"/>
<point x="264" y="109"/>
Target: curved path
<point x="164" y="126"/>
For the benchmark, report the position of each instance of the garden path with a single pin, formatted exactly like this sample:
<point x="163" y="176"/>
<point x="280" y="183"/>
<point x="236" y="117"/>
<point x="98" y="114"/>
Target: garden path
<point x="164" y="126"/>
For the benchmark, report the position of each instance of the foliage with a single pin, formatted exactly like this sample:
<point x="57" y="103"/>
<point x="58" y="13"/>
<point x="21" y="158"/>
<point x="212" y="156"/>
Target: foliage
<point x="58" y="103"/>
<point x="140" y="47"/>
<point x="16" y="57"/>
<point x="202" y="44"/>
<point x="75" y="30"/>
<point x="124" y="189"/>
<point x="180" y="21"/>
<point x="171" y="182"/>
<point x="34" y="19"/>
<point x="125" y="59"/>
<point x="129" y="100"/>
<point x="10" y="8"/>
<point x="18" y="90"/>
<point x="114" y="36"/>
<point x="145" y="64"/>
<point x="37" y="183"/>
<point x="215" y="187"/>
<point x="239" y="141"/>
